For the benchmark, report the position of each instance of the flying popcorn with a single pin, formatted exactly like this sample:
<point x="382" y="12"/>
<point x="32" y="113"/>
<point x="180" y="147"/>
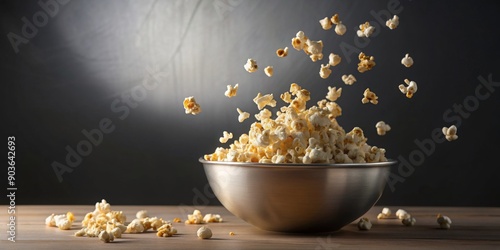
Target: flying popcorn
<point x="407" y="61"/>
<point x="450" y="133"/>
<point x="242" y="115"/>
<point x="334" y="59"/>
<point x="299" y="40"/>
<point x="365" y="30"/>
<point x="382" y="127"/>
<point x="225" y="137"/>
<point x="190" y="106"/>
<point x="409" y="90"/>
<point x="365" y="62"/>
<point x="282" y="52"/>
<point x="369" y="96"/>
<point x="325" y="71"/>
<point x="231" y="91"/>
<point x="340" y="28"/>
<point x="348" y="79"/>
<point x="269" y="71"/>
<point x="314" y="50"/>
<point x="333" y="93"/>
<point x="326" y="23"/>
<point x="263" y="100"/>
<point x="392" y="23"/>
<point x="251" y="65"/>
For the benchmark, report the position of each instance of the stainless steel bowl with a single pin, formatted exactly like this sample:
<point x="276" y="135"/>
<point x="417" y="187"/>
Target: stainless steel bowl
<point x="300" y="198"/>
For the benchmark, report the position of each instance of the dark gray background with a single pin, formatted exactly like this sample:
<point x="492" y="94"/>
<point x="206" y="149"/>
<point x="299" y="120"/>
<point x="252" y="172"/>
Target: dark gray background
<point x="91" y="53"/>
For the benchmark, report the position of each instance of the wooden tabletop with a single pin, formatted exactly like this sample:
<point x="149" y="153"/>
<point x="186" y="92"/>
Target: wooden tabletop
<point x="471" y="227"/>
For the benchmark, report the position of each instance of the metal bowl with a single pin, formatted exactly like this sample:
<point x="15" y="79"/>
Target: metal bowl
<point x="297" y="198"/>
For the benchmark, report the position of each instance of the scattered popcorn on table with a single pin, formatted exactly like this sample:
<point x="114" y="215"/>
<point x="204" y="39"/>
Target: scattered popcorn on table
<point x="392" y="23"/>
<point x="401" y="214"/>
<point x="365" y="30"/>
<point x="177" y="220"/>
<point x="364" y="224"/>
<point x="333" y="93"/>
<point x="382" y="128"/>
<point x="190" y="106"/>
<point x="242" y="115"/>
<point x="231" y="91"/>
<point x="365" y="62"/>
<point x="263" y="100"/>
<point x="141" y="214"/>
<point x="450" y="133"/>
<point x="195" y="218"/>
<point x="106" y="237"/>
<point x="326" y="23"/>
<point x="166" y="230"/>
<point x="204" y="233"/>
<point x="61" y="221"/>
<point x="225" y="137"/>
<point x="209" y="218"/>
<point x="409" y="90"/>
<point x="369" y="96"/>
<point x="269" y="71"/>
<point x="135" y="226"/>
<point x="340" y="28"/>
<point x="231" y="233"/>
<point x="251" y="65"/>
<point x="386" y="213"/>
<point x="103" y="219"/>
<point x="282" y="52"/>
<point x="334" y="59"/>
<point x="409" y="221"/>
<point x="443" y="221"/>
<point x="325" y="71"/>
<point x="348" y="79"/>
<point x="407" y="61"/>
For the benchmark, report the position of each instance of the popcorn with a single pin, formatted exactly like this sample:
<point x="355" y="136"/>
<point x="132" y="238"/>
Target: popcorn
<point x="190" y="106"/>
<point x="365" y="30"/>
<point x="365" y="62"/>
<point x="325" y="71"/>
<point x="450" y="133"/>
<point x="408" y="221"/>
<point x="141" y="214"/>
<point x="392" y="23"/>
<point x="231" y="91"/>
<point x="369" y="96"/>
<point x="386" y="213"/>
<point x="334" y="59"/>
<point x="103" y="207"/>
<point x="300" y="135"/>
<point x="166" y="230"/>
<point x="209" y="218"/>
<point x="282" y="52"/>
<point x="364" y="224"/>
<point x="299" y="40"/>
<point x="314" y="50"/>
<point x="251" y="65"/>
<point x="410" y="89"/>
<point x="177" y="220"/>
<point x="382" y="127"/>
<point x="326" y="23"/>
<point x="402" y="214"/>
<point x="407" y="61"/>
<point x="443" y="221"/>
<point x="242" y="115"/>
<point x="333" y="93"/>
<point x="225" y="137"/>
<point x="269" y="71"/>
<point x="340" y="28"/>
<point x="231" y="233"/>
<point x="263" y="100"/>
<point x="204" y="233"/>
<point x="106" y="237"/>
<point x="135" y="226"/>
<point x="348" y="79"/>
<point x="195" y="218"/>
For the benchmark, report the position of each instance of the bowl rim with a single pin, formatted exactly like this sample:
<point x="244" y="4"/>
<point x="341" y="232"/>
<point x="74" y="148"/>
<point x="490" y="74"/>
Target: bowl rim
<point x="387" y="163"/>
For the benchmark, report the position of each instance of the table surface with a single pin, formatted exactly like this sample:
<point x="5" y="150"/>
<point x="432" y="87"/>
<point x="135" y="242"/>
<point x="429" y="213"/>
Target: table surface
<point x="472" y="227"/>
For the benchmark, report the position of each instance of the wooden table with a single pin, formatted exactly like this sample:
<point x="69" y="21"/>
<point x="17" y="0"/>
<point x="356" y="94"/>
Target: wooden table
<point x="472" y="227"/>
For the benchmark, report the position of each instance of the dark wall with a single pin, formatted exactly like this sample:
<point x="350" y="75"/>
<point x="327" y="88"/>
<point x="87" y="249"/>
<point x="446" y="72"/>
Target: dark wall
<point x="124" y="68"/>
